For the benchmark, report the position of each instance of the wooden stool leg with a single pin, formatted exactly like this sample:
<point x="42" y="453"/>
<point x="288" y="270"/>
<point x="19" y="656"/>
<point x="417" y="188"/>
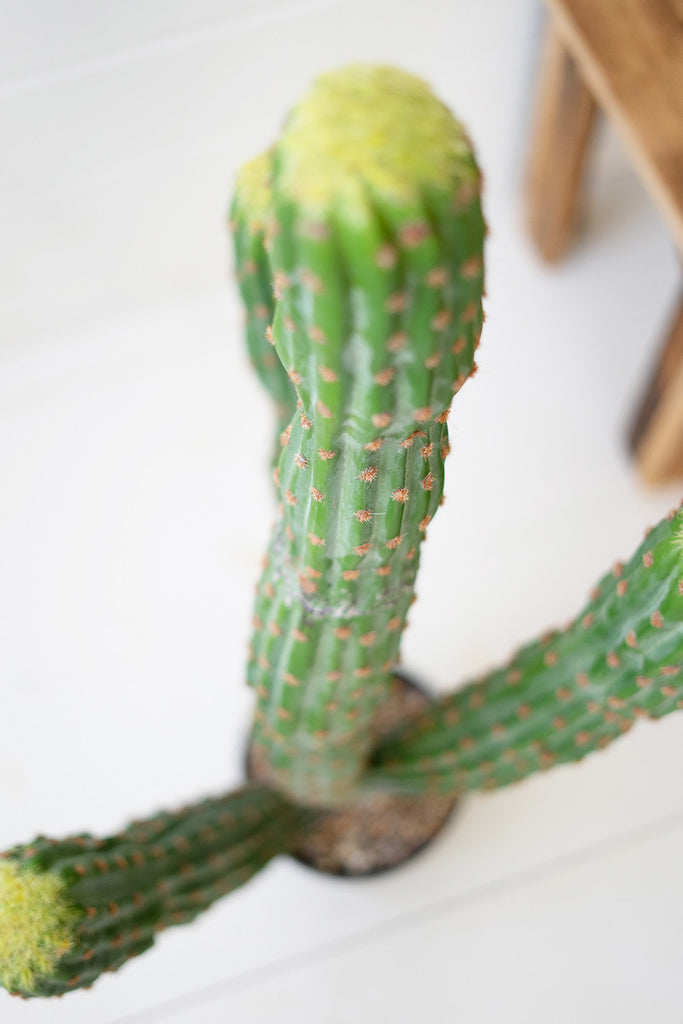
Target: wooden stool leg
<point x="657" y="435"/>
<point x="564" y="115"/>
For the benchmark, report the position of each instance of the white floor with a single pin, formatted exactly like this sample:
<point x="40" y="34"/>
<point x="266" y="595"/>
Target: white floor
<point x="135" y="507"/>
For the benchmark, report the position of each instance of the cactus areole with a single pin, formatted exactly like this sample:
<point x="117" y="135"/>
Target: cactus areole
<point x="374" y="236"/>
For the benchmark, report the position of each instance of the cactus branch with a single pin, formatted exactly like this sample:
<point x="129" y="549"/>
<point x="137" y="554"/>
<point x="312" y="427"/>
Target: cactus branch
<point x="570" y="693"/>
<point x="73" y="908"/>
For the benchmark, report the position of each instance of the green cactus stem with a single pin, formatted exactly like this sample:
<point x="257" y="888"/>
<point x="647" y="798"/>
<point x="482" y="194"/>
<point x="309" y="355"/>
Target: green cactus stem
<point x="248" y="217"/>
<point x="564" y="696"/>
<point x="375" y="241"/>
<point x="73" y="908"/>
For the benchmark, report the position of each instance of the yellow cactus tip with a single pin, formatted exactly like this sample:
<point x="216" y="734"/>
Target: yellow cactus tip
<point x="252" y="189"/>
<point x="371" y="127"/>
<point x="37" y="925"/>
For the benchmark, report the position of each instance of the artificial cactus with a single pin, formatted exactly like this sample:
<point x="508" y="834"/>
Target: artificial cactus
<point x="73" y="908"/>
<point x="375" y="237"/>
<point x="570" y="693"/>
<point x="366" y="219"/>
<point x="248" y="217"/>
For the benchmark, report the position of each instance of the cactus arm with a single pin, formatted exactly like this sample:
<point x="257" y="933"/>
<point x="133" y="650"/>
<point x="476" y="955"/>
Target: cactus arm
<point x="563" y="696"/>
<point x="248" y="218"/>
<point x="71" y="909"/>
<point x="376" y="327"/>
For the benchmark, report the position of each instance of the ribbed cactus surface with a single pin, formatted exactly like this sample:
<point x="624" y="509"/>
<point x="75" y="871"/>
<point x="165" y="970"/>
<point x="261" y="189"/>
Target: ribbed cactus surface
<point x="73" y="908"/>
<point x="375" y="241"/>
<point x="248" y="219"/>
<point x="564" y="696"/>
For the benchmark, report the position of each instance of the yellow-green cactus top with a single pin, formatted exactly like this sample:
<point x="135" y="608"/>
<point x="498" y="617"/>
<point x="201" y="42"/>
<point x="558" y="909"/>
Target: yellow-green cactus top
<point x="37" y="925"/>
<point x="371" y="127"/>
<point x="252" y="190"/>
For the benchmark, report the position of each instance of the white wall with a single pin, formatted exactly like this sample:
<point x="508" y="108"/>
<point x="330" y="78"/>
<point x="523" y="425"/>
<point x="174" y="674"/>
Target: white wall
<point x="122" y="124"/>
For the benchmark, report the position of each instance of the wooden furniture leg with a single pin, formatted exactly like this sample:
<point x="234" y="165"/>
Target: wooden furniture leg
<point x="561" y="132"/>
<point x="657" y="435"/>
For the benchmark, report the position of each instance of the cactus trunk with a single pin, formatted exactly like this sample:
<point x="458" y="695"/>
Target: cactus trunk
<point x="377" y="316"/>
<point x="564" y="696"/>
<point x="71" y="909"/>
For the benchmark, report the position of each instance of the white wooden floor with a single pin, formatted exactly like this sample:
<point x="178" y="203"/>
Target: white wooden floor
<point x="136" y="503"/>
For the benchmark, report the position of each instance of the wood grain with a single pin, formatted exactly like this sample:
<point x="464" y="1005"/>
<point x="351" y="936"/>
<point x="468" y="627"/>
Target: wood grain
<point x="630" y="53"/>
<point x="564" y="116"/>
